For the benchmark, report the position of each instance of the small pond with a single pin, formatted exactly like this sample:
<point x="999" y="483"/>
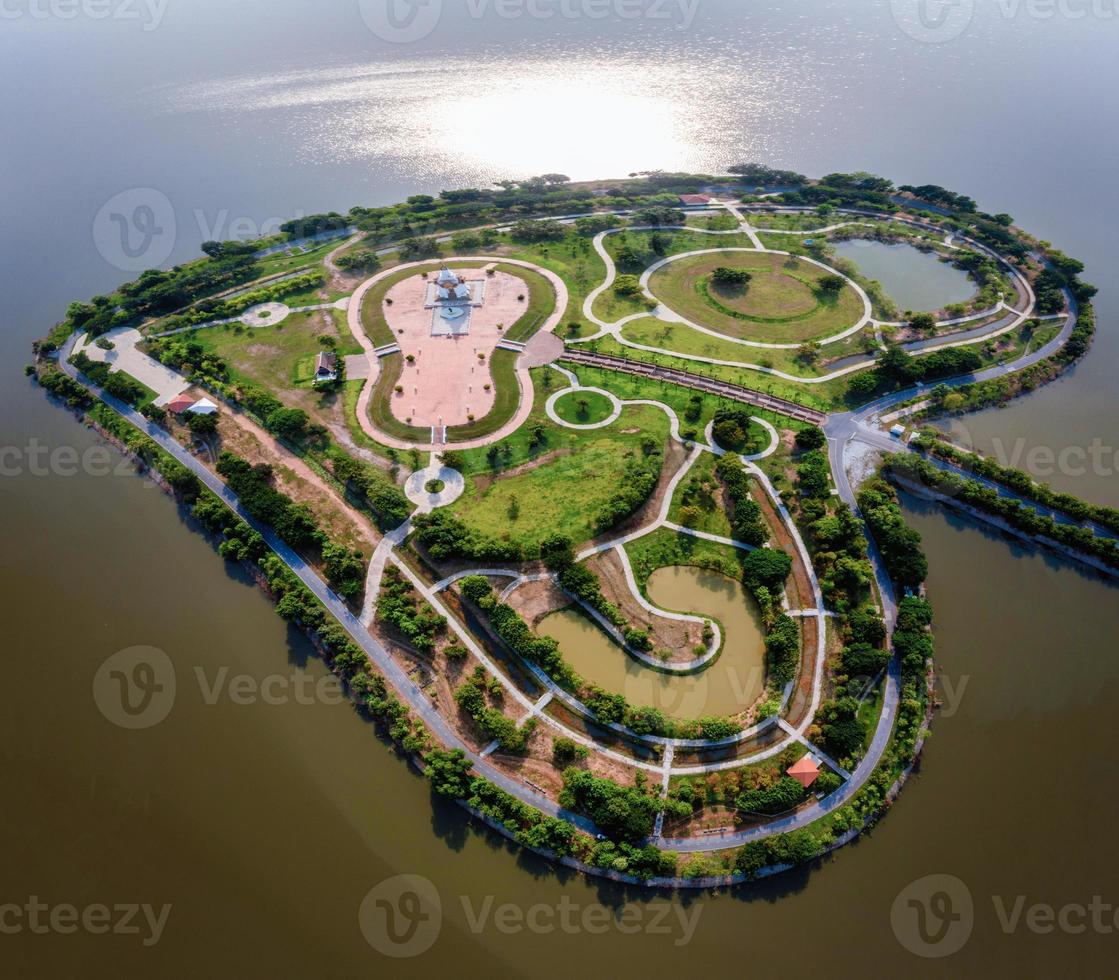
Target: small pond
<point x="913" y="279"/>
<point x="732" y="682"/>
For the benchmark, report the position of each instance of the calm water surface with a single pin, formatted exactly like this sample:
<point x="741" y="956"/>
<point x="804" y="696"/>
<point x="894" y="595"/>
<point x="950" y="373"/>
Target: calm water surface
<point x="734" y="680"/>
<point x="265" y="825"/>
<point x="913" y="279"/>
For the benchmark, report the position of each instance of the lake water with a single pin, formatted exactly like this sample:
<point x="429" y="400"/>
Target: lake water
<point x="733" y="681"/>
<point x="913" y="279"/>
<point x="264" y="825"/>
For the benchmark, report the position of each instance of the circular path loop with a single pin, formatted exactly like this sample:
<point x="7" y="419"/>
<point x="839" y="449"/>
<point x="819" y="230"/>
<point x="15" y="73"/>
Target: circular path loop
<point x="616" y="410"/>
<point x="415" y="489"/>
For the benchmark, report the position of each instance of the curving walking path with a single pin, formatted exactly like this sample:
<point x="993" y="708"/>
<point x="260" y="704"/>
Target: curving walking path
<point x="1014" y="319"/>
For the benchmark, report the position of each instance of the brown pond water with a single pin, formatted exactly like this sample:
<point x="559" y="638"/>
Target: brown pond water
<point x="733" y="681"/>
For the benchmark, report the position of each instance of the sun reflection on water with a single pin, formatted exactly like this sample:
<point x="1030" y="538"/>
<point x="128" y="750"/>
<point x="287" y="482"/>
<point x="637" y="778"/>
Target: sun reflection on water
<point x="484" y="118"/>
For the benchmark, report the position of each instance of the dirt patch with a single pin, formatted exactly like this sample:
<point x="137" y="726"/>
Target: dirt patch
<point x="801" y="699"/>
<point x="667" y="634"/>
<point x="538" y="771"/>
<point x="294" y="477"/>
<point x="535" y="600"/>
<point x="799" y="587"/>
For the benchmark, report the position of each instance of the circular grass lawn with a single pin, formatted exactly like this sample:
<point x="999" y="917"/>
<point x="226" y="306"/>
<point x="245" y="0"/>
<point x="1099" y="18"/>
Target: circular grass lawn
<point x="584" y="407"/>
<point x="782" y="303"/>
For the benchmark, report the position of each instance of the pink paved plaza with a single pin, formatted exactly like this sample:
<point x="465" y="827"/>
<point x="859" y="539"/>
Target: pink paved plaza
<point x="446" y="381"/>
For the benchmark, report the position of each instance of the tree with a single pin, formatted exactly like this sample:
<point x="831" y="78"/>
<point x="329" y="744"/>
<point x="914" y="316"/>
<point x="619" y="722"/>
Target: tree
<point x="287" y="423"/>
<point x="362" y="260"/>
<point x="414" y="249"/>
<point x="831" y="283"/>
<point x="895" y="364"/>
<point x="557" y="552"/>
<point x="862" y="385"/>
<point x="814" y="475"/>
<point x="782" y="795"/>
<point x="565" y="751"/>
<point x="622" y="813"/>
<point x="627" y="286"/>
<point x="453" y="459"/>
<point x="202" y="425"/>
<point x="922" y="322"/>
<point x="842" y="730"/>
<point x="449" y="773"/>
<point x="864" y="659"/>
<point x="811" y="437"/>
<point x="808" y="353"/>
<point x="766" y="566"/>
<point x="730" y="278"/>
<point x="345" y="569"/>
<point x="731" y="428"/>
<point x="691" y="516"/>
<point x="630" y="256"/>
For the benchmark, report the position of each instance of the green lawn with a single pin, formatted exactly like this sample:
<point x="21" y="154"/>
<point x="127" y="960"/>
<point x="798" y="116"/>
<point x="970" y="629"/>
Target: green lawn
<point x="665" y="547"/>
<point x="148" y="397"/>
<point x="277" y="356"/>
<point x="697" y="490"/>
<point x="584" y="407"/>
<point x="681" y="338"/>
<point x="781" y="304"/>
<point x="693" y="415"/>
<point x="827" y="396"/>
<point x="562" y="494"/>
<point x="280" y="262"/>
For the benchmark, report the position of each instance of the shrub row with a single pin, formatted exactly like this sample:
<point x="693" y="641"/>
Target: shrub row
<point x="1020" y="482"/>
<point x="399" y="605"/>
<point x="1018" y="515"/>
<point x="746" y="521"/>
